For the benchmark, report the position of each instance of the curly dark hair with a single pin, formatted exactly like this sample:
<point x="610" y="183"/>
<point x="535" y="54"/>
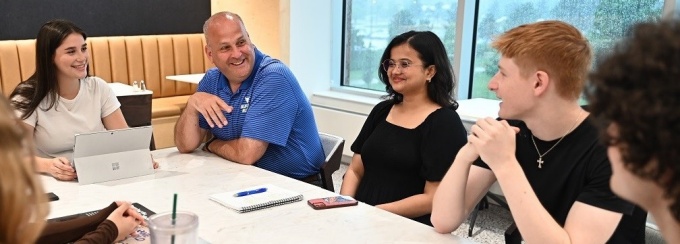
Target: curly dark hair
<point x="431" y="51"/>
<point x="637" y="87"/>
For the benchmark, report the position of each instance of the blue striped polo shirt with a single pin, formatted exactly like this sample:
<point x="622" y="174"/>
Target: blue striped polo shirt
<point x="269" y="106"/>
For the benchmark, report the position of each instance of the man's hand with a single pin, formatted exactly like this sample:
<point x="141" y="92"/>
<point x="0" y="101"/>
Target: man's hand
<point x="211" y="107"/>
<point x="494" y="141"/>
<point x="61" y="169"/>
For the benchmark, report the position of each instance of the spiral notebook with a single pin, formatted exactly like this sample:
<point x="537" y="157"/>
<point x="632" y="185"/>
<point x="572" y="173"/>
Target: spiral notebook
<point x="273" y="196"/>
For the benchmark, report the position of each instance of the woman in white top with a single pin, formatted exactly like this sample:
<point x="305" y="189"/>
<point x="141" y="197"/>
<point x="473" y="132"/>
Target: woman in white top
<point x="60" y="100"/>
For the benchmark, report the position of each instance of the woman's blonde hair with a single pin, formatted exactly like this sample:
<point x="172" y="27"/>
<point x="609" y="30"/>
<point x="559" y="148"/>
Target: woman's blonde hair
<point x="23" y="204"/>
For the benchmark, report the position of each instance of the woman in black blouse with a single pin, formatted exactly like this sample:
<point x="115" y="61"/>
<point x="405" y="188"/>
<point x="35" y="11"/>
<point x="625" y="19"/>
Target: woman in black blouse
<point x="408" y="141"/>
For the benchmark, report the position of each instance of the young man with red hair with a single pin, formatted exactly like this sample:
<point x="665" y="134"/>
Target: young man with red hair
<point x="543" y="152"/>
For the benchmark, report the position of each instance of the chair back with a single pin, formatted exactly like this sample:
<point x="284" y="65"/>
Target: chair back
<point x="653" y="235"/>
<point x="332" y="148"/>
<point x="512" y="235"/>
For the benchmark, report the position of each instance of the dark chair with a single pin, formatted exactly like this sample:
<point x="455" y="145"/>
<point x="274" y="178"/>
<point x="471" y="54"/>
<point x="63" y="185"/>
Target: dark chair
<point x="332" y="148"/>
<point x="512" y="235"/>
<point x="137" y="112"/>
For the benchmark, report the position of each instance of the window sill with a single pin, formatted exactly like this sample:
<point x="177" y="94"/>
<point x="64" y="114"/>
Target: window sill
<point x="350" y="102"/>
<point x="470" y="110"/>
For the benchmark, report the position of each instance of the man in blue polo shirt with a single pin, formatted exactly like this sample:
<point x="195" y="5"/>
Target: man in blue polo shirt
<point x="252" y="104"/>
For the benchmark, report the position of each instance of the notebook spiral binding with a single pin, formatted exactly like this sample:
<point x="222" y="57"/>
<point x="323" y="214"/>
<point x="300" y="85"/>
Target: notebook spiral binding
<point x="270" y="204"/>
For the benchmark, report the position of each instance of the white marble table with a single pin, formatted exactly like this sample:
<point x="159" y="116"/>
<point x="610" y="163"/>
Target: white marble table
<point x="190" y="78"/>
<point x="195" y="176"/>
<point x="471" y="110"/>
<point x="122" y="90"/>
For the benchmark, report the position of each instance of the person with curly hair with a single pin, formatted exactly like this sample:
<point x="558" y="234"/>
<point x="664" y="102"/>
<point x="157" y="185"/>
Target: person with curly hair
<point x="543" y="152"/>
<point x="633" y="96"/>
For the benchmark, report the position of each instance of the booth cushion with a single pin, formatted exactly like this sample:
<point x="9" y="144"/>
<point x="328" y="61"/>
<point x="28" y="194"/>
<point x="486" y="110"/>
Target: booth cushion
<point x="125" y="59"/>
<point x="122" y="59"/>
<point x="168" y="106"/>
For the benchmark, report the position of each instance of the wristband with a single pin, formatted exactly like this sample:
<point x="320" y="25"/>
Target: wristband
<point x="207" y="144"/>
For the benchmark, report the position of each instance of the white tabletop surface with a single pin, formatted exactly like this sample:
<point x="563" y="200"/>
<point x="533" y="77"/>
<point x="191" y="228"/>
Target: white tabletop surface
<point x="195" y="176"/>
<point x="190" y="78"/>
<point x="477" y="108"/>
<point x="121" y="89"/>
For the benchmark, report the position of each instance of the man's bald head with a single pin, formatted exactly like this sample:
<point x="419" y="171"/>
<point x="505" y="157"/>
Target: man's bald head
<point x="220" y="18"/>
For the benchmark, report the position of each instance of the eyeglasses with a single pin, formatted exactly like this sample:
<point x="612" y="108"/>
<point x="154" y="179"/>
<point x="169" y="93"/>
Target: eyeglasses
<point x="390" y="64"/>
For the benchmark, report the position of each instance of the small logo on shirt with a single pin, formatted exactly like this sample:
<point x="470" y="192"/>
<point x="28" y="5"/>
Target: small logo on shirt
<point x="244" y="106"/>
<point x="115" y="166"/>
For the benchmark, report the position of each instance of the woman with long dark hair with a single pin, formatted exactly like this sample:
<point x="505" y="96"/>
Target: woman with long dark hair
<point x="408" y="141"/>
<point x="60" y="99"/>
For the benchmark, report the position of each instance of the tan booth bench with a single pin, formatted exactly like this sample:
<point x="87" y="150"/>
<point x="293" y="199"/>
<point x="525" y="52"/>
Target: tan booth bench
<point x="126" y="59"/>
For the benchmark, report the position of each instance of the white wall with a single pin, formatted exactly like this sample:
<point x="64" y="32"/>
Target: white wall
<point x="310" y="44"/>
<point x="314" y="58"/>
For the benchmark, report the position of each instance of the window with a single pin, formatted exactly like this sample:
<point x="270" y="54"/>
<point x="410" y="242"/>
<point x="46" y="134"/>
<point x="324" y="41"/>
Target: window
<point x="603" y="22"/>
<point x="371" y="24"/>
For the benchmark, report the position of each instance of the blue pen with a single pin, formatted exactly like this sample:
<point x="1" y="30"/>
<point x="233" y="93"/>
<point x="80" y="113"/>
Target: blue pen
<point x="251" y="192"/>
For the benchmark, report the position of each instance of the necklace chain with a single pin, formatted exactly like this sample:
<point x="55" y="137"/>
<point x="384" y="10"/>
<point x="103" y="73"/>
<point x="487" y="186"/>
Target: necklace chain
<point x="540" y="155"/>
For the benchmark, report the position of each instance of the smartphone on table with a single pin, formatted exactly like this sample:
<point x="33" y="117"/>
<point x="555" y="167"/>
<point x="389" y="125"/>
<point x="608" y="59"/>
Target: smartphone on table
<point x="332" y="202"/>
